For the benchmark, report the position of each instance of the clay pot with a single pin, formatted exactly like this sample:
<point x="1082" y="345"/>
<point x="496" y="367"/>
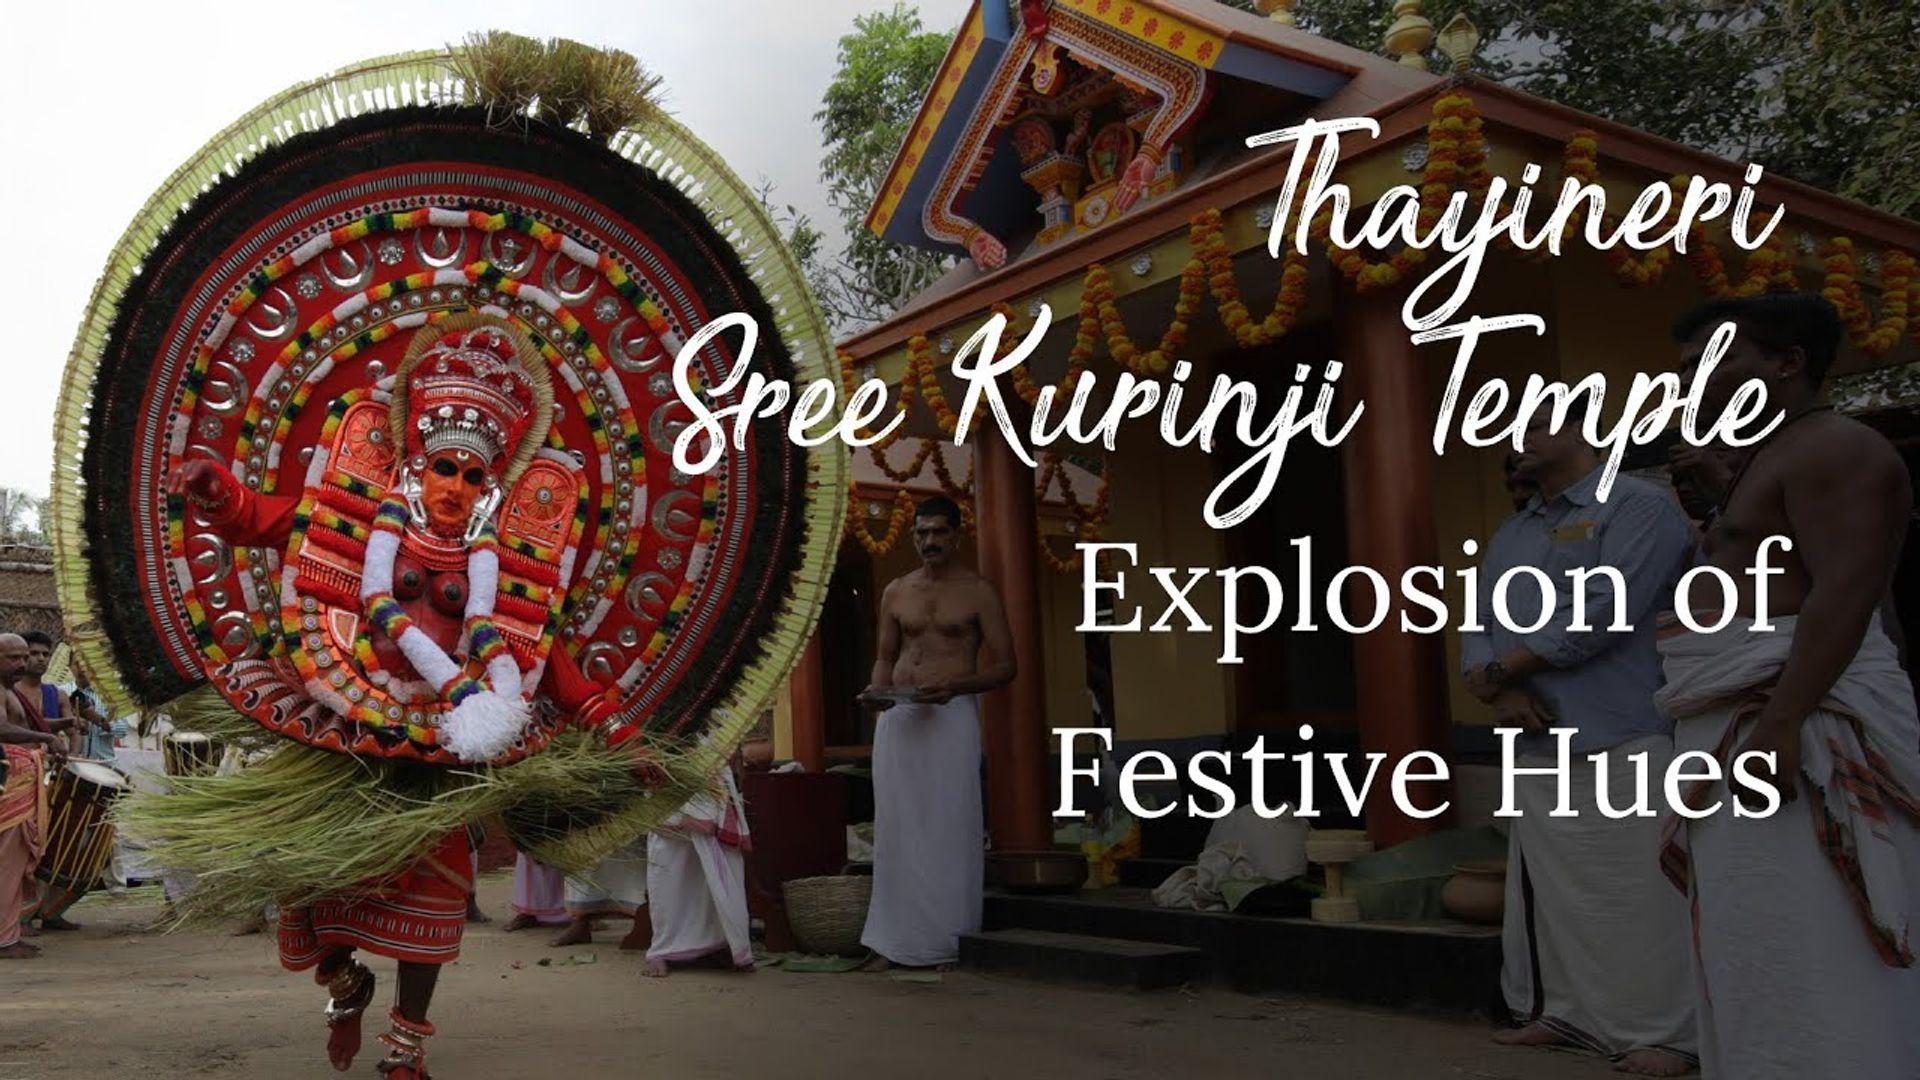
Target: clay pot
<point x="1477" y="891"/>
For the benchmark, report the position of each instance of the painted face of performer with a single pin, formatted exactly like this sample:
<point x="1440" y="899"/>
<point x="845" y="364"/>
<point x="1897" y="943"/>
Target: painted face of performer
<point x="453" y="481"/>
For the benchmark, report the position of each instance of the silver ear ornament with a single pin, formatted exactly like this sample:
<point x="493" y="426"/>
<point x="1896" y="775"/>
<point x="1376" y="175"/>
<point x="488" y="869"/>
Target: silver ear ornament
<point x="410" y="490"/>
<point x="484" y="508"/>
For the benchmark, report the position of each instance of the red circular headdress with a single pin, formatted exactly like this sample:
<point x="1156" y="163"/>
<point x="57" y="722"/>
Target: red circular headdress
<point x="469" y="392"/>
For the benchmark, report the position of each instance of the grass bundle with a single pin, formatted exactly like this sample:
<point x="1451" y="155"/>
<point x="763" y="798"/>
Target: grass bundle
<point x="567" y="75"/>
<point x="503" y="71"/>
<point x="564" y="81"/>
<point x="621" y="94"/>
<point x="299" y="823"/>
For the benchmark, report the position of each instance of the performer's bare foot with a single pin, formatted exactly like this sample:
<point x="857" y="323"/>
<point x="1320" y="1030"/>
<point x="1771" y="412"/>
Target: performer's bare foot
<point x="1648" y="1061"/>
<point x="578" y="932"/>
<point x="58" y="923"/>
<point x="343" y="1020"/>
<point x="520" y="921"/>
<point x="655" y="969"/>
<point x="1534" y="1034"/>
<point x="19" y="950"/>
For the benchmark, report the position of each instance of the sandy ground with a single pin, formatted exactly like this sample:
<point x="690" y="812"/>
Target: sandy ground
<point x="116" y="1000"/>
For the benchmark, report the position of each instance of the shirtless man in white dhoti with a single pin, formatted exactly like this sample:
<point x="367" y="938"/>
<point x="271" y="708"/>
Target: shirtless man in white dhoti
<point x="1801" y="928"/>
<point x="943" y="640"/>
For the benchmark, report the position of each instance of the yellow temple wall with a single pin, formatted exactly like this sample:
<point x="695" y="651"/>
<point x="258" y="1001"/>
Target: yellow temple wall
<point x="1166" y="685"/>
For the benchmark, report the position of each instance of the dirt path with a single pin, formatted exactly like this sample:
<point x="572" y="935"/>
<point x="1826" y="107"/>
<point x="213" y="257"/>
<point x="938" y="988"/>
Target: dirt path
<point x="117" y="1001"/>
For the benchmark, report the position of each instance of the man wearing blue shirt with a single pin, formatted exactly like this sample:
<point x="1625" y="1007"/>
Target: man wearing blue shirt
<point x="1594" y="938"/>
<point x="97" y="741"/>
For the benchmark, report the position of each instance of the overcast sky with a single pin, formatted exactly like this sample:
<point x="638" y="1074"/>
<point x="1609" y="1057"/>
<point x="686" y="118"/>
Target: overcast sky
<point x="106" y="101"/>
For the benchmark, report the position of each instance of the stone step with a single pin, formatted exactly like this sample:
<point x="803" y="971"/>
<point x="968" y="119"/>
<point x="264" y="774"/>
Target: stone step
<point x="1115" y="962"/>
<point x="1392" y="964"/>
<point x="1149" y="873"/>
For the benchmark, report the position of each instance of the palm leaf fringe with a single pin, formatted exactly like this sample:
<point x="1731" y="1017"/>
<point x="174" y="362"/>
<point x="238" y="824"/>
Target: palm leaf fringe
<point x="298" y="824"/>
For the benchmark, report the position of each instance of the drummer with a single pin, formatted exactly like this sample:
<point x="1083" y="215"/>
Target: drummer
<point x="46" y="705"/>
<point x="22" y="814"/>
<point x="92" y="739"/>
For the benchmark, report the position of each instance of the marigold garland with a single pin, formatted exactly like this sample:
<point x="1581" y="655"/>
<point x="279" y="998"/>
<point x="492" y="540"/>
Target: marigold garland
<point x="1875" y="337"/>
<point x="901" y="476"/>
<point x="897" y="520"/>
<point x="849" y="382"/>
<point x="957" y="491"/>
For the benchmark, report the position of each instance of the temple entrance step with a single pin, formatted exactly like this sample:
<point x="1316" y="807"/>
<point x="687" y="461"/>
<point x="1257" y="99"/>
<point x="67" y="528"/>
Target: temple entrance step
<point x="1149" y="873"/>
<point x="1115" y="962"/>
<point x="1442" y="965"/>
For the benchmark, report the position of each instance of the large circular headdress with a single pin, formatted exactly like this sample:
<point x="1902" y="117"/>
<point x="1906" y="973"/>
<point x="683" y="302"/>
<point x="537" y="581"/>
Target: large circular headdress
<point x="287" y="266"/>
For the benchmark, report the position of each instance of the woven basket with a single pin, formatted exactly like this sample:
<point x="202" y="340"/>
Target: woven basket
<point x="828" y="913"/>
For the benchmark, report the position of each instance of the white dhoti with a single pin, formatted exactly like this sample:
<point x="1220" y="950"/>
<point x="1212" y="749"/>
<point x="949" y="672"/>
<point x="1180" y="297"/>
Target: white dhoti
<point x="929" y="857"/>
<point x="539" y="890"/>
<point x="697" y="876"/>
<point x="1594" y="943"/>
<point x="1801" y="928"/>
<point x="618" y="886"/>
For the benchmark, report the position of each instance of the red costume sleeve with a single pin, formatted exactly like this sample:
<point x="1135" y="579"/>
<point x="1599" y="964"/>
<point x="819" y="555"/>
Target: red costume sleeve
<point x="575" y="693"/>
<point x="251" y="519"/>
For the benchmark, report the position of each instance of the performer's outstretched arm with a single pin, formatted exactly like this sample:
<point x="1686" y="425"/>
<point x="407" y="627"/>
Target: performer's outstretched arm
<point x="239" y="515"/>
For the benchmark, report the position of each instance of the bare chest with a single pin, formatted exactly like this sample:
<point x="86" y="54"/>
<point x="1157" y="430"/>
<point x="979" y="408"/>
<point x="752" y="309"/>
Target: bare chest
<point x="1755" y="510"/>
<point x="936" y="613"/>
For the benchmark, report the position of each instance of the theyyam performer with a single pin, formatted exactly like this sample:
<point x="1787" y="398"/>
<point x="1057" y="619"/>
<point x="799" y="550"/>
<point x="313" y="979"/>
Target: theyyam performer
<point x="374" y="452"/>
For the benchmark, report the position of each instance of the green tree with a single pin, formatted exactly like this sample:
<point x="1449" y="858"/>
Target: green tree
<point x="1819" y="90"/>
<point x="885" y="67"/>
<point x="1840" y="98"/>
<point x="20" y="518"/>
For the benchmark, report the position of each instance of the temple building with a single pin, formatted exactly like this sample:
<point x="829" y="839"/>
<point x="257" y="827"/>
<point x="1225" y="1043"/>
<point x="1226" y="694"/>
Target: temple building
<point x="1091" y="156"/>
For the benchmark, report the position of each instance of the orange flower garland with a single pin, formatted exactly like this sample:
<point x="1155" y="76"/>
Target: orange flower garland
<point x="1842" y="288"/>
<point x="940" y="473"/>
<point x="920" y="365"/>
<point x="849" y="382"/>
<point x="1456" y="152"/>
<point x="901" y="476"/>
<point x="897" y="520"/>
<point x="1212" y="259"/>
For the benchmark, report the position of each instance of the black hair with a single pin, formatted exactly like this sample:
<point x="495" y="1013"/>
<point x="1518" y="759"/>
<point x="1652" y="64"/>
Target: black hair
<point x="1776" y="322"/>
<point x="939" y="506"/>
<point x="37" y="637"/>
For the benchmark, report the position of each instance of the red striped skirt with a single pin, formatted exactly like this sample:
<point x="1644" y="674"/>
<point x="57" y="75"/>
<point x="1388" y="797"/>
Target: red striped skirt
<point x="417" y="917"/>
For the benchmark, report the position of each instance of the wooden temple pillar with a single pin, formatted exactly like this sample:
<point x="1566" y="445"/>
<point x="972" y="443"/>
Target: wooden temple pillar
<point x="807" y="701"/>
<point x="1400" y="697"/>
<point x="1015" y="734"/>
